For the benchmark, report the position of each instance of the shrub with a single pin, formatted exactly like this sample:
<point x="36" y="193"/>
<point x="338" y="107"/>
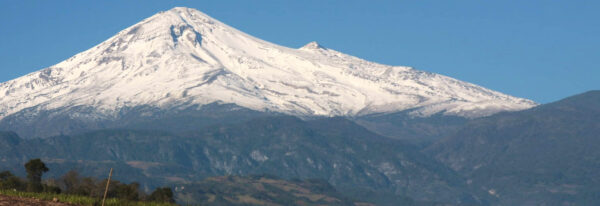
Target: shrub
<point x="10" y="182"/>
<point x="162" y="194"/>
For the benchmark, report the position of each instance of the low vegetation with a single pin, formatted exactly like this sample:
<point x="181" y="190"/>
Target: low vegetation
<point x="80" y="200"/>
<point x="71" y="188"/>
<point x="262" y="190"/>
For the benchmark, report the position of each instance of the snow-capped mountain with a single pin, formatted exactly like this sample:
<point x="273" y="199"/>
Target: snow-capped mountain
<point x="182" y="57"/>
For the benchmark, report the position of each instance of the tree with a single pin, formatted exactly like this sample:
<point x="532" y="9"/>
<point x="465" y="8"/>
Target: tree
<point x="51" y="187"/>
<point x="4" y="175"/>
<point x="162" y="194"/>
<point x="71" y="184"/>
<point x="8" y="181"/>
<point x="128" y="192"/>
<point x="35" y="169"/>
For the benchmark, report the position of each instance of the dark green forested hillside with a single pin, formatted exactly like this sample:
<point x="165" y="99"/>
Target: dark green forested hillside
<point x="420" y="131"/>
<point x="354" y="160"/>
<point x="548" y="155"/>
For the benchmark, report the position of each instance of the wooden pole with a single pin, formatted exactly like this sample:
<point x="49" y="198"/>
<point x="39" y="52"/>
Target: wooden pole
<point x="107" y="183"/>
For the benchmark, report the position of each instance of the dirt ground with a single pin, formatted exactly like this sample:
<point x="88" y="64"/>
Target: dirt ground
<point x="20" y="201"/>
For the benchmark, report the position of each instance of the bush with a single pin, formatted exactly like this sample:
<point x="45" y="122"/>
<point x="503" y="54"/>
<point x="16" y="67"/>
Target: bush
<point x="128" y="192"/>
<point x="5" y="175"/>
<point x="162" y="194"/>
<point x="51" y="189"/>
<point x="10" y="182"/>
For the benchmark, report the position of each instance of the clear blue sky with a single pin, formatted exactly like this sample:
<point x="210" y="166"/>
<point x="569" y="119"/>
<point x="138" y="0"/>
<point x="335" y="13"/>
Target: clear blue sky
<point x="541" y="50"/>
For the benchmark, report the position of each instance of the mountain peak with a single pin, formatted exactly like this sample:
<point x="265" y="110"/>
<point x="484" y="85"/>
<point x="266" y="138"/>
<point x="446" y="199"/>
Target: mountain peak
<point x="312" y="45"/>
<point x="177" y="16"/>
<point x="182" y="9"/>
<point x="185" y="11"/>
<point x="183" y="57"/>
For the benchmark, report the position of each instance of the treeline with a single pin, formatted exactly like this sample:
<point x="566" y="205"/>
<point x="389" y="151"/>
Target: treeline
<point x="72" y="183"/>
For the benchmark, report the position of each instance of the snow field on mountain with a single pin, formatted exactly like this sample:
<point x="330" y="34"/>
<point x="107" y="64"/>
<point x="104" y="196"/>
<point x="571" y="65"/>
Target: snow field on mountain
<point x="182" y="57"/>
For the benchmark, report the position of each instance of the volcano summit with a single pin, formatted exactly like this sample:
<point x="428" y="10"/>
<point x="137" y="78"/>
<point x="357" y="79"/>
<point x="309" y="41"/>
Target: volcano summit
<point x="182" y="58"/>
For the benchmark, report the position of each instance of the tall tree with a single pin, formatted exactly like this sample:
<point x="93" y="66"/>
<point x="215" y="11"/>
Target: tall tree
<point x="35" y="169"/>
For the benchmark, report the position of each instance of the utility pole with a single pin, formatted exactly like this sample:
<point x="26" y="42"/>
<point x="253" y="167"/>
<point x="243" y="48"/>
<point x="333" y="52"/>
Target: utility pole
<point x="107" y="183"/>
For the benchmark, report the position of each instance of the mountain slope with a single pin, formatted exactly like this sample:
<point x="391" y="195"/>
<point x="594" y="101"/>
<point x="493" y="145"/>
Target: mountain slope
<point x="547" y="155"/>
<point x="182" y="58"/>
<point x="417" y="130"/>
<point x="348" y="156"/>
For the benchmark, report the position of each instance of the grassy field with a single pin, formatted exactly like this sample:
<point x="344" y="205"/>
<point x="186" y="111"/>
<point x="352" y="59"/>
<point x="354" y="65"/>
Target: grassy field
<point x="80" y="200"/>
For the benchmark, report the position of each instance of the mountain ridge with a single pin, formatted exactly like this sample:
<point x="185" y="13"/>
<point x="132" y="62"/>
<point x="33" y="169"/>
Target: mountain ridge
<point x="183" y="58"/>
